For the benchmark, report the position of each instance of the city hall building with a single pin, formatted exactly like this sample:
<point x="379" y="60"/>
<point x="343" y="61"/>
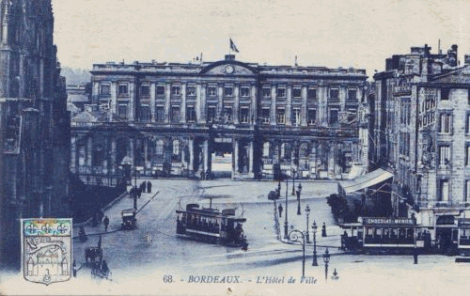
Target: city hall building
<point x="183" y="118"/>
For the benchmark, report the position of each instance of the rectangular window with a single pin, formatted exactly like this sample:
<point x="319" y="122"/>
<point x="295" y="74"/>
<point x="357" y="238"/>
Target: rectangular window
<point x="467" y="154"/>
<point x="281" y="92"/>
<point x="191" y="91"/>
<point x="312" y="94"/>
<point x="160" y="90"/>
<point x="228" y="114"/>
<point x="122" y="111"/>
<point x="211" y="113"/>
<point x="445" y="123"/>
<point x="334" y="94"/>
<point x="212" y="91"/>
<point x="145" y="90"/>
<point x="245" y="91"/>
<point x="352" y="95"/>
<point x="123" y="89"/>
<point x="334" y="116"/>
<point x="467" y="191"/>
<point x="444" y="190"/>
<point x="266" y="92"/>
<point x="265" y="114"/>
<point x="467" y="126"/>
<point x="160" y="114"/>
<point x="244" y="114"/>
<point x="190" y="114"/>
<point x="444" y="155"/>
<point x="105" y="89"/>
<point x="445" y="94"/>
<point x="145" y="115"/>
<point x="297" y="92"/>
<point x="281" y="116"/>
<point x="296" y="116"/>
<point x="312" y="116"/>
<point x="176" y="90"/>
<point x="228" y="91"/>
<point x="175" y="114"/>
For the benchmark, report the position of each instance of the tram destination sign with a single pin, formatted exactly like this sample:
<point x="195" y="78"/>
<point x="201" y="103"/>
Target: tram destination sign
<point x="390" y="221"/>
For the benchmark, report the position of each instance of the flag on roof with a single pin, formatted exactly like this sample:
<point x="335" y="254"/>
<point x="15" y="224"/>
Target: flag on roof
<point x="233" y="47"/>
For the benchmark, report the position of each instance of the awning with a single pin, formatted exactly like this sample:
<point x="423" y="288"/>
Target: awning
<point x="365" y="181"/>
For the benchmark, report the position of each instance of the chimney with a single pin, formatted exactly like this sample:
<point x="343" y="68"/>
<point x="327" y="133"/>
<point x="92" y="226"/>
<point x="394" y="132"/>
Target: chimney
<point x="230" y="57"/>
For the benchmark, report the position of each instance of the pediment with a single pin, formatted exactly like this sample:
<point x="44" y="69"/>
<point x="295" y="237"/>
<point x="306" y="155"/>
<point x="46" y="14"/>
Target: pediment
<point x="229" y="69"/>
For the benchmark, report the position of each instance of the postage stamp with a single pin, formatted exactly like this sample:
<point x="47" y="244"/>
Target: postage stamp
<point x="46" y="246"/>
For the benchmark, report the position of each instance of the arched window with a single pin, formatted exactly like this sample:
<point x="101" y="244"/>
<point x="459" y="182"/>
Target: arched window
<point x="176" y="147"/>
<point x="266" y="149"/>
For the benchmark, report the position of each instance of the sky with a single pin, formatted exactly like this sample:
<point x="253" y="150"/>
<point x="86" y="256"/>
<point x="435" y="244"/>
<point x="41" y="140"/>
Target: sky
<point x="331" y="33"/>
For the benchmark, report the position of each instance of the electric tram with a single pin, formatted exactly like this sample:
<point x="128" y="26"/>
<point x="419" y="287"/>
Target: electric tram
<point x="384" y="235"/>
<point x="211" y="225"/>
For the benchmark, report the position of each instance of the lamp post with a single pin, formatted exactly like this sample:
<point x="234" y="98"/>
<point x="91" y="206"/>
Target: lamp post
<point x="326" y="258"/>
<point x="293" y="181"/>
<point x="314" y="228"/>
<point x="307" y="211"/>
<point x="298" y="199"/>
<point x="296" y="235"/>
<point x="286" y="224"/>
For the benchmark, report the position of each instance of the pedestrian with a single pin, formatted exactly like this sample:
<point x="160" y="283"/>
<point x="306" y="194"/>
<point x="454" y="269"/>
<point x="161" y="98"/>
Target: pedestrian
<point x="149" y="187"/>
<point x="415" y="255"/>
<point x="106" y="223"/>
<point x="74" y="268"/>
<point x="202" y="175"/>
<point x="279" y="208"/>
<point x="323" y="230"/>
<point x="139" y="192"/>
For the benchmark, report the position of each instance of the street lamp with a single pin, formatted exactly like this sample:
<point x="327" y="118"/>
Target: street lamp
<point x="326" y="258"/>
<point x="314" y="228"/>
<point x="298" y="199"/>
<point x="293" y="181"/>
<point x="307" y="211"/>
<point x="286" y="224"/>
<point x="296" y="235"/>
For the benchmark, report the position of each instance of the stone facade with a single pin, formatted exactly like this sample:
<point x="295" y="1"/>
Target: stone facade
<point x="421" y="131"/>
<point x="34" y="123"/>
<point x="303" y="118"/>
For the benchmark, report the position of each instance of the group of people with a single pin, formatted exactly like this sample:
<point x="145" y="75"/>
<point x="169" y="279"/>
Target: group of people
<point x="144" y="187"/>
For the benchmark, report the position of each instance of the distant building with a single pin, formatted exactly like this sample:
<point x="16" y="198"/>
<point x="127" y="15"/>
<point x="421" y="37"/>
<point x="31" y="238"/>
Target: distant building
<point x="177" y="117"/>
<point x="422" y="134"/>
<point x="78" y="95"/>
<point x="34" y="122"/>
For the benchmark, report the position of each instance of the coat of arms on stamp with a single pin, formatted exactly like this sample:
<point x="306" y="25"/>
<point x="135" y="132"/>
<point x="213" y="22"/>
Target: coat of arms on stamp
<point x="46" y="250"/>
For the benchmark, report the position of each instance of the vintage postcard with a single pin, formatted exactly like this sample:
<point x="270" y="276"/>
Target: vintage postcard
<point x="245" y="147"/>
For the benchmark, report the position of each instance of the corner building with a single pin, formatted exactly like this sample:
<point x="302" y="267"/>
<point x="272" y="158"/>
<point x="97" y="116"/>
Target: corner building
<point x="180" y="117"/>
<point x="422" y="117"/>
<point x="34" y="123"/>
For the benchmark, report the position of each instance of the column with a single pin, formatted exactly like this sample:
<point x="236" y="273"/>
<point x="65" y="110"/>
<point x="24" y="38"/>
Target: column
<point x="183" y="154"/>
<point x="303" y="109"/>
<point x="183" y="104"/>
<point x="96" y="92"/>
<point x="289" y="106"/>
<point x="152" y="101"/>
<point x="132" y="108"/>
<point x="145" y="143"/>
<point x="200" y="94"/>
<point x="220" y="101"/>
<point x="113" y="100"/>
<point x="167" y="102"/>
<point x="73" y="154"/>
<point x="236" y="104"/>
<point x="130" y="153"/>
<point x="251" y="162"/>
<point x="207" y="162"/>
<point x="21" y="82"/>
<point x="113" y="155"/>
<point x="191" y="154"/>
<point x="89" y="152"/>
<point x="235" y="157"/>
<point x="273" y="105"/>
<point x="254" y="105"/>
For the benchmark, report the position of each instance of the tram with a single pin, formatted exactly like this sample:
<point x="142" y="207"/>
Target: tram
<point x="384" y="235"/>
<point x="211" y="225"/>
<point x="464" y="236"/>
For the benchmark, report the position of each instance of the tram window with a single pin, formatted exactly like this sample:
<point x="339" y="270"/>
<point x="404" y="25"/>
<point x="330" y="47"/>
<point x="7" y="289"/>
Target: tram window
<point x="409" y="234"/>
<point x="370" y="231"/>
<point x="402" y="232"/>
<point x="378" y="232"/>
<point x="394" y="232"/>
<point x="386" y="233"/>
